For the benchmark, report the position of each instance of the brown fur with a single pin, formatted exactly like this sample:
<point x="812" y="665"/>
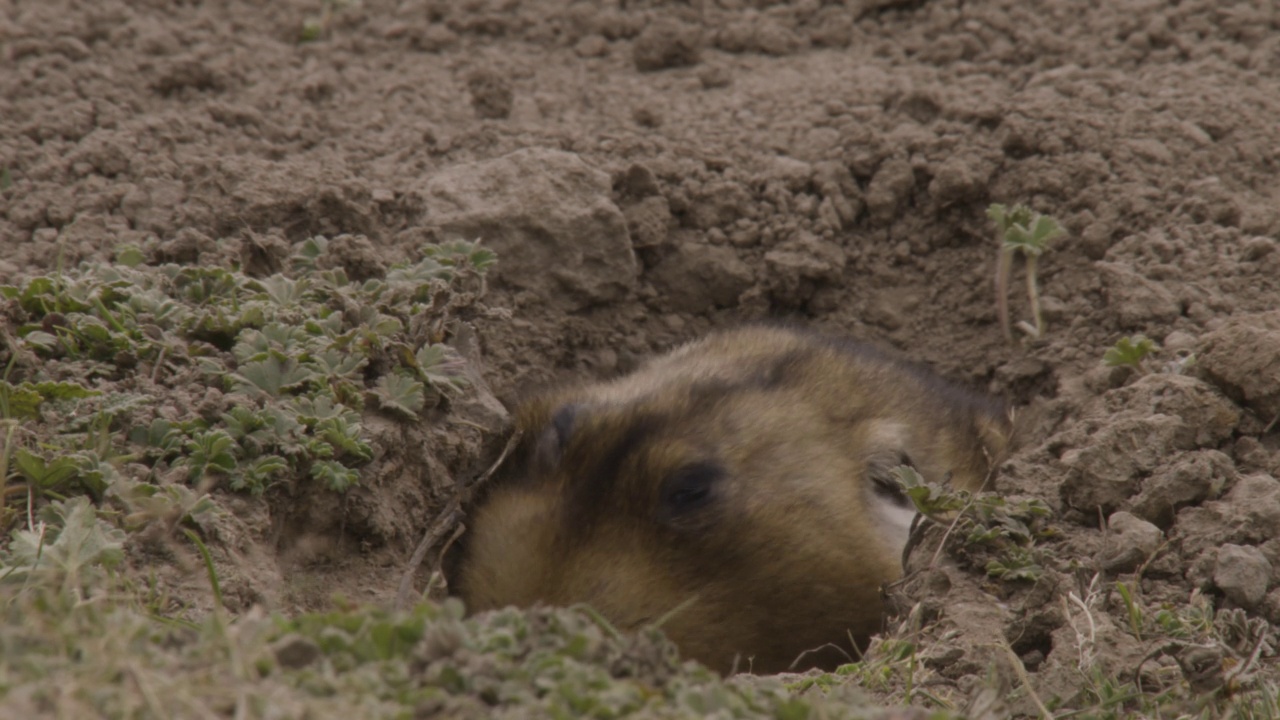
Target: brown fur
<point x="730" y="489"/>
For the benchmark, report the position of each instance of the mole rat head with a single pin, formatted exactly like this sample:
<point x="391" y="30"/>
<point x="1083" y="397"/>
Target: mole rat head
<point x="723" y="513"/>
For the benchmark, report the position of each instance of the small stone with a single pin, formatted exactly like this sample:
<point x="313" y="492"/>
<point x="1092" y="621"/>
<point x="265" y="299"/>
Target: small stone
<point x="649" y="222"/>
<point x="491" y="94"/>
<point x="646" y="116"/>
<point x="697" y="277"/>
<point x="295" y="651"/>
<point x="1131" y="542"/>
<point x="714" y="76"/>
<point x="1256" y="248"/>
<point x="1189" y="480"/>
<point x="1136" y="299"/>
<point x="590" y="46"/>
<point x="1271" y="607"/>
<point x="1242" y="573"/>
<point x="667" y="43"/>
<point x="1178" y="341"/>
<point x="889" y="189"/>
<point x="1243" y="359"/>
<point x="960" y="179"/>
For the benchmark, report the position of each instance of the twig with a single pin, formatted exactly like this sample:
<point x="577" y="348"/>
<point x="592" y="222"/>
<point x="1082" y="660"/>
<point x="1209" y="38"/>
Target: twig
<point x="1025" y="679"/>
<point x="512" y="443"/>
<point x="820" y="648"/>
<point x="448" y="518"/>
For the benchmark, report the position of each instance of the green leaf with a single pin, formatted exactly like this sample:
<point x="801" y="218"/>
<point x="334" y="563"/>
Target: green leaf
<point x="271" y="376"/>
<point x="41" y="340"/>
<point x="334" y="364"/>
<point x="1044" y="230"/>
<point x="259" y="474"/>
<point x="335" y="476"/>
<point x="45" y="474"/>
<point x="64" y="390"/>
<point x="344" y="437"/>
<point x="130" y="255"/>
<point x="312" y="29"/>
<point x="1129" y="351"/>
<point x="441" y="366"/>
<point x="1023" y="229"/>
<point x="210" y="451"/>
<point x="308" y="251"/>
<point x="70" y="541"/>
<point x="401" y="395"/>
<point x="284" y="291"/>
<point x="19" y="401"/>
<point x="311" y="410"/>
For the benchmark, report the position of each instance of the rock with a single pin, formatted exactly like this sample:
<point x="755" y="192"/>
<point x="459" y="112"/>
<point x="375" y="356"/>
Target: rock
<point x="1135" y="299"/>
<point x="1209" y="418"/>
<point x="637" y="183"/>
<point x="491" y="94"/>
<point x="1248" y="514"/>
<point x="799" y="265"/>
<point x="1257" y="248"/>
<point x="758" y="34"/>
<point x="697" y="277"/>
<point x="715" y="76"/>
<point x="1103" y="470"/>
<point x="649" y="222"/>
<point x="667" y="43"/>
<point x="1256" y="500"/>
<point x="794" y="174"/>
<point x="889" y="190"/>
<point x="1243" y="358"/>
<point x="773" y="38"/>
<point x="1242" y="573"/>
<point x="550" y="218"/>
<point x="1190" y="479"/>
<point x="589" y="46"/>
<point x="358" y="257"/>
<point x="1271" y="607"/>
<point x="184" y="248"/>
<point x="295" y="651"/>
<point x="1132" y="540"/>
<point x="835" y="183"/>
<point x="960" y="179"/>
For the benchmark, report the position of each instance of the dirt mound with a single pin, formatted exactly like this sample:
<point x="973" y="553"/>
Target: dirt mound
<point x="649" y="170"/>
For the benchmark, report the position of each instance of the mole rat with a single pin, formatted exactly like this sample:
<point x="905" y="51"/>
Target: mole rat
<point x="736" y="490"/>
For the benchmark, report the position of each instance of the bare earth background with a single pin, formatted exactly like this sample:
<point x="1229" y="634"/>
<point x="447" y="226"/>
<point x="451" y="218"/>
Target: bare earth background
<point x="648" y="171"/>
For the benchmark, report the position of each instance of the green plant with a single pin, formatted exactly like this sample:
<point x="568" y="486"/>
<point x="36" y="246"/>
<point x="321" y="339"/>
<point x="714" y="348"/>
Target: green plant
<point x="1133" y="610"/>
<point x="1001" y="530"/>
<point x="301" y="346"/>
<point x="318" y="26"/>
<point x="1131" y="352"/>
<point x="1021" y="230"/>
<point x="69" y="545"/>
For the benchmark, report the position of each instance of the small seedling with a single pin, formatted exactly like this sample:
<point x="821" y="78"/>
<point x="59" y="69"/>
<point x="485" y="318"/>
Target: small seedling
<point x="318" y="26"/>
<point x="1131" y="352"/>
<point x="1021" y="229"/>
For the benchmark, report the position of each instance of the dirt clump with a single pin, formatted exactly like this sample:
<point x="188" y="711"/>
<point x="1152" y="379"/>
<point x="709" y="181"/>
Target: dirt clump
<point x="650" y="171"/>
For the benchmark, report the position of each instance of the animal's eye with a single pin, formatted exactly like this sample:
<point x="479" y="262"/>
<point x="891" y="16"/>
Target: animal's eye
<point x="690" y="488"/>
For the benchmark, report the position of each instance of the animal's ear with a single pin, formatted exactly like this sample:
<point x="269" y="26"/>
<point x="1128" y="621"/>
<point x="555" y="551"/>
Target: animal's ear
<point x="549" y="447"/>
